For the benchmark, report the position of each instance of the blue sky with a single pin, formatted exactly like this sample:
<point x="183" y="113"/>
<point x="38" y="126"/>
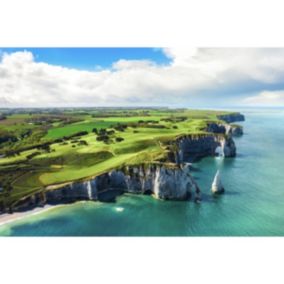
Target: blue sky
<point x="90" y="58"/>
<point x="174" y="77"/>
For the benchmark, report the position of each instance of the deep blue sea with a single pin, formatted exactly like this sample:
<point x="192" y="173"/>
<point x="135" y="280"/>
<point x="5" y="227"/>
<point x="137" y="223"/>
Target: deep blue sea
<point x="253" y="204"/>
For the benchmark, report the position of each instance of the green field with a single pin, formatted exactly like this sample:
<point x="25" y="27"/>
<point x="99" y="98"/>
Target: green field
<point x="59" y="132"/>
<point x="27" y="165"/>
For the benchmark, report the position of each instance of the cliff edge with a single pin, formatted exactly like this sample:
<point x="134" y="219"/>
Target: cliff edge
<point x="168" y="179"/>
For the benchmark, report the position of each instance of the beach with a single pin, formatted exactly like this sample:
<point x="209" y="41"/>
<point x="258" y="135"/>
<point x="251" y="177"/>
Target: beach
<point x="8" y="218"/>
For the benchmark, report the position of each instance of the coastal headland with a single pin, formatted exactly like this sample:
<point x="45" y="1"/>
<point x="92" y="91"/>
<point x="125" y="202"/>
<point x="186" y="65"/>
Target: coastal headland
<point x="63" y="156"/>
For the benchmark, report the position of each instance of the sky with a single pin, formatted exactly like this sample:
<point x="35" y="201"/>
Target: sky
<point x="173" y="77"/>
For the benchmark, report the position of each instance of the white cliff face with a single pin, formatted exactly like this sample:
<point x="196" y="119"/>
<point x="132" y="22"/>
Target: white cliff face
<point x="94" y="191"/>
<point x="89" y="189"/>
<point x="223" y="147"/>
<point x="228" y="146"/>
<point x="173" y="183"/>
<point x="217" y="186"/>
<point x="157" y="182"/>
<point x="234" y="130"/>
<point x="163" y="182"/>
<point x="193" y="148"/>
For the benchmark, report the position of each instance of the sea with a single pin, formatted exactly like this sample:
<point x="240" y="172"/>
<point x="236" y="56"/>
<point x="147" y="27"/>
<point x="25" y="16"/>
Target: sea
<point x="253" y="203"/>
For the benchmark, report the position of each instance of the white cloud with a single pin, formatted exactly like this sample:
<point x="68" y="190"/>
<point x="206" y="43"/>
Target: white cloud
<point x="131" y="64"/>
<point x="180" y="55"/>
<point x="266" y="98"/>
<point x="191" y="73"/>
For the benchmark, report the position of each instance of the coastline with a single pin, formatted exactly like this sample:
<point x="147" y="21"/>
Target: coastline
<point x="88" y="190"/>
<point x="16" y="216"/>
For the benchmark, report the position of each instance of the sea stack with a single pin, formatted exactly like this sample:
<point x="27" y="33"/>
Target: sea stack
<point x="217" y="187"/>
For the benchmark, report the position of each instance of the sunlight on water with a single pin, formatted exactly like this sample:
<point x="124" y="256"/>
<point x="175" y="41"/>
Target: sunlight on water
<point x="119" y="209"/>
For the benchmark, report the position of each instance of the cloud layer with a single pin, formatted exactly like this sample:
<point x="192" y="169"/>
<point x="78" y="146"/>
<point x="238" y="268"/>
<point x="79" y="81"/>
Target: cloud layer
<point x="194" y="77"/>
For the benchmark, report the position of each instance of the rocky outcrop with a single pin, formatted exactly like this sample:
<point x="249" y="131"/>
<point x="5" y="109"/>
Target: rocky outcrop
<point x="191" y="148"/>
<point x="233" y="117"/>
<point x="236" y="130"/>
<point x="228" y="147"/>
<point x="224" y="128"/>
<point x="217" y="187"/>
<point x="219" y="128"/>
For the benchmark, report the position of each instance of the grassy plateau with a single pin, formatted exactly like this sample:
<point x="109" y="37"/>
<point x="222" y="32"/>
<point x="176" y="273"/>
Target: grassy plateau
<point x="52" y="146"/>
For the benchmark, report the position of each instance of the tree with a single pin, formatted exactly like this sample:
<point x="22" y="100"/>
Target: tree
<point x="119" y="139"/>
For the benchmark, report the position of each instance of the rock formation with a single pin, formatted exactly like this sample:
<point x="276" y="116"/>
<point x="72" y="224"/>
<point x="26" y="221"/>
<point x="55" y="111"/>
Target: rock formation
<point x="217" y="187"/>
<point x="224" y="128"/>
<point x="191" y="148"/>
<point x="236" y="130"/>
<point x="233" y="117"/>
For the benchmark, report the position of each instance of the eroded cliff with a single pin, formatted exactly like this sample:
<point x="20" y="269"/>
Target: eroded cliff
<point x="167" y="180"/>
<point x="191" y="148"/>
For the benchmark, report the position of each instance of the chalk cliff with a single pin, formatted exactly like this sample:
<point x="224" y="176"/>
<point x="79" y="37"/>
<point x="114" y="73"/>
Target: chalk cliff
<point x="168" y="180"/>
<point x="191" y="148"/>
<point x="224" y="128"/>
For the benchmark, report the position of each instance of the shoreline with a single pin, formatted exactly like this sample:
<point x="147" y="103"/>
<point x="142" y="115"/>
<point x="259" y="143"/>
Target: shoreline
<point x="16" y="216"/>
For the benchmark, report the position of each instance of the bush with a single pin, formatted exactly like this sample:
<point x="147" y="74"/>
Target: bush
<point x="102" y="131"/>
<point x="110" y="132"/>
<point x="120" y="127"/>
<point x="11" y="153"/>
<point x="32" y="155"/>
<point x="83" y="142"/>
<point x="119" y="139"/>
<point x="102" y="138"/>
<point x="6" y="136"/>
<point x="45" y="147"/>
<point x="81" y="133"/>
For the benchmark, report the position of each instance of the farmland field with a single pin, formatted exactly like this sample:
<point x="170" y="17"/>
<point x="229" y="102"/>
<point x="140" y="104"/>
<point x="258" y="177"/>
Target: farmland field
<point x="59" y="132"/>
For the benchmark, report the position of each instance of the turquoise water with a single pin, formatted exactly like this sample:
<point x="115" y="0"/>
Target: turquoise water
<point x="253" y="204"/>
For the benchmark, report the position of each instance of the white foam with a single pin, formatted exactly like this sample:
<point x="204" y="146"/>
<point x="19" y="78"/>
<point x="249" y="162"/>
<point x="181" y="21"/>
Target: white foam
<point x="119" y="209"/>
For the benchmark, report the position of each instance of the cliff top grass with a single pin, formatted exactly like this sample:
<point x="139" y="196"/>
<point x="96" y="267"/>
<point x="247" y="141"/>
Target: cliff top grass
<point x="42" y="149"/>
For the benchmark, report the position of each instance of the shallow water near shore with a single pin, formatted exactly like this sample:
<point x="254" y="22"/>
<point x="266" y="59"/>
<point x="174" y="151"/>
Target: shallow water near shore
<point x="253" y="204"/>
